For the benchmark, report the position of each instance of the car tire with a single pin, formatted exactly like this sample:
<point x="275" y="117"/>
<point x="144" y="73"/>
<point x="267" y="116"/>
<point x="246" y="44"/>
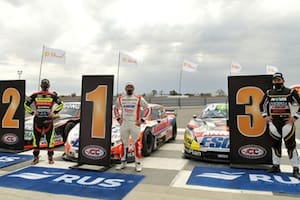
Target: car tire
<point x="67" y="129"/>
<point x="174" y="131"/>
<point x="148" y="142"/>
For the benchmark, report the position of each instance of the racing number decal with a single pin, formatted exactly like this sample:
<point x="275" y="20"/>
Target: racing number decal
<point x="11" y="96"/>
<point x="98" y="96"/>
<point x="251" y="124"/>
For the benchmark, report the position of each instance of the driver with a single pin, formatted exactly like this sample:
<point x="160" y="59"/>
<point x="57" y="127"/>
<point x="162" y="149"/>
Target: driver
<point x="43" y="118"/>
<point x="127" y="111"/>
<point x="275" y="108"/>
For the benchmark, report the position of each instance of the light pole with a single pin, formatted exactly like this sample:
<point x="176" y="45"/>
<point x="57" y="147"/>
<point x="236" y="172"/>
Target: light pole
<point x="175" y="46"/>
<point x="19" y="73"/>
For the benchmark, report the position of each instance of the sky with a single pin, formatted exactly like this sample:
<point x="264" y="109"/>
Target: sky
<point x="159" y="34"/>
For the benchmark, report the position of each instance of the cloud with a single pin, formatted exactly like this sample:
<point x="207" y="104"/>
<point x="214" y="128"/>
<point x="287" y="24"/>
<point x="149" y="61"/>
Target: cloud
<point x="159" y="34"/>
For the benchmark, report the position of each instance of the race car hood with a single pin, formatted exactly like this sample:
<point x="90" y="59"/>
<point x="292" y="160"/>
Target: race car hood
<point x="216" y="122"/>
<point x="115" y="133"/>
<point x="212" y="128"/>
<point x="213" y="135"/>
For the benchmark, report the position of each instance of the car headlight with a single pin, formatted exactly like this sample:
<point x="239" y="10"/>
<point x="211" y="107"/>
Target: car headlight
<point x="190" y="142"/>
<point x="187" y="137"/>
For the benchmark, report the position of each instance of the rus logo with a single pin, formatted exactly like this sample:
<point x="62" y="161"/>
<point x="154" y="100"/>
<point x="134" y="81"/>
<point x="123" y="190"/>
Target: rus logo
<point x="72" y="179"/>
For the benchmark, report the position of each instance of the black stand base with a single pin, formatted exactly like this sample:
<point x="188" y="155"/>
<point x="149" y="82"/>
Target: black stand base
<point x="12" y="150"/>
<point x="90" y="167"/>
<point x="249" y="166"/>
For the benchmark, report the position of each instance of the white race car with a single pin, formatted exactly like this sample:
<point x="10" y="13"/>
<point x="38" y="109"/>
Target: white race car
<point x="206" y="136"/>
<point x="68" y="117"/>
<point x="158" y="128"/>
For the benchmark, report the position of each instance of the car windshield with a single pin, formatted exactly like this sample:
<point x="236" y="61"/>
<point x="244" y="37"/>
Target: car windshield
<point x="215" y="111"/>
<point x="71" y="110"/>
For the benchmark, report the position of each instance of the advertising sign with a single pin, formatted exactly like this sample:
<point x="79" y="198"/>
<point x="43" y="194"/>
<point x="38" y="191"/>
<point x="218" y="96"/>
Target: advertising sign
<point x="249" y="138"/>
<point x="96" y="120"/>
<point x="12" y="114"/>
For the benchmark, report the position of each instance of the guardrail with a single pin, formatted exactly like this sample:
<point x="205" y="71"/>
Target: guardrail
<point x="189" y="101"/>
<point x="172" y="100"/>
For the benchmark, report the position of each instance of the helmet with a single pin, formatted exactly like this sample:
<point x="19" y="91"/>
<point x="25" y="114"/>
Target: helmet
<point x="45" y="84"/>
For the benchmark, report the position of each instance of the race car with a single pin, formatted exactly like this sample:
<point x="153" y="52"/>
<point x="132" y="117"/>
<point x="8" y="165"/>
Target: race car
<point x="159" y="128"/>
<point x="206" y="136"/>
<point x="66" y="119"/>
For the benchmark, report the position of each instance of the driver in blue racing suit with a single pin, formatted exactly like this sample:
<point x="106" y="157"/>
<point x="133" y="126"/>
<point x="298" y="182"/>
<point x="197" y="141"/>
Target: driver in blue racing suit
<point x="275" y="108"/>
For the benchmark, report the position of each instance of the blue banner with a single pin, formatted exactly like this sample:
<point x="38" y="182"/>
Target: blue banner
<point x="245" y="179"/>
<point x="92" y="184"/>
<point x="7" y="159"/>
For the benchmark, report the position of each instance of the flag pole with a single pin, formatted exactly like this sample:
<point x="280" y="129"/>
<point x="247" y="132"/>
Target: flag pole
<point x="42" y="59"/>
<point x="118" y="74"/>
<point x="180" y="80"/>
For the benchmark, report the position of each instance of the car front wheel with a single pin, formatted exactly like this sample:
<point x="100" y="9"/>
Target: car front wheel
<point x="148" y="142"/>
<point x="174" y="131"/>
<point x="68" y="127"/>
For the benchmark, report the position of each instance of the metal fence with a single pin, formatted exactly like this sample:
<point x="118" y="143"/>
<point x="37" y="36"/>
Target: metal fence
<point x="172" y="100"/>
<point x="187" y="101"/>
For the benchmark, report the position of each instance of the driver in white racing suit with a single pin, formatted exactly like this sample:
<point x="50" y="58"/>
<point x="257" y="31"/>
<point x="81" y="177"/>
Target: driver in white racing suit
<point x="128" y="112"/>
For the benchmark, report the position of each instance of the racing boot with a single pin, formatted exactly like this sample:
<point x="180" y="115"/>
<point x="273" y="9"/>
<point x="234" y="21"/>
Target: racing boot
<point x="50" y="160"/>
<point x="138" y="166"/>
<point x="274" y="169"/>
<point x="122" y="165"/>
<point x="296" y="173"/>
<point x="35" y="160"/>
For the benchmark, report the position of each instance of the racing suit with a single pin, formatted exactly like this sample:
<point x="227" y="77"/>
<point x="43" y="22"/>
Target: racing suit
<point x="128" y="112"/>
<point x="276" y="104"/>
<point x="43" y="122"/>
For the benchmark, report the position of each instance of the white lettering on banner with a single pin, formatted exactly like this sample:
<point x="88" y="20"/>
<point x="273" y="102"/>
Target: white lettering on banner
<point x="260" y="177"/>
<point x="266" y="178"/>
<point x="221" y="175"/>
<point x="252" y="177"/>
<point x="69" y="178"/>
<point x="293" y="180"/>
<point x="84" y="180"/>
<point x="8" y="159"/>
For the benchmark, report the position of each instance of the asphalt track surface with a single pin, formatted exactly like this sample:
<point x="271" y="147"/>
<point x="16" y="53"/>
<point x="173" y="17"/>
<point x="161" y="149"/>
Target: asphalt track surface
<point x="165" y="171"/>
